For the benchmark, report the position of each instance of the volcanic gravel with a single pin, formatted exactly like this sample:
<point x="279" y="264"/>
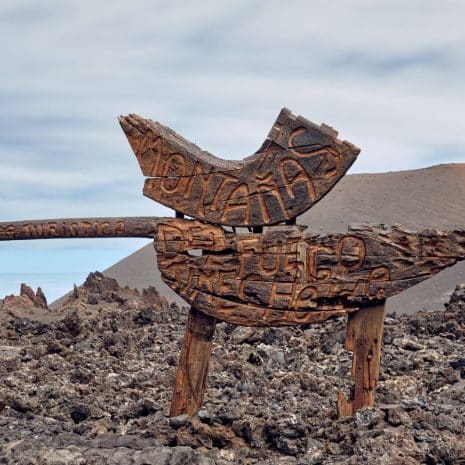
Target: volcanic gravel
<point x="90" y="383"/>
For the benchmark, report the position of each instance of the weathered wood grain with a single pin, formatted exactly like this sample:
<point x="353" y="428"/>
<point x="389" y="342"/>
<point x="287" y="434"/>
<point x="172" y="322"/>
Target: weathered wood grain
<point x="286" y="275"/>
<point x="79" y="227"/>
<point x="192" y="371"/>
<point x="296" y="166"/>
<point x="364" y="338"/>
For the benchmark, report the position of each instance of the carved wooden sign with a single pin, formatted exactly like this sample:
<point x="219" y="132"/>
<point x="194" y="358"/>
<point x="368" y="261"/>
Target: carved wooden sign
<point x="283" y="275"/>
<point x="286" y="276"/>
<point x="295" y="167"/>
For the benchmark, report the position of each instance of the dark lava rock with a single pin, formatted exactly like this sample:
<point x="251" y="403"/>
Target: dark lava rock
<point x="179" y="421"/>
<point x="81" y="375"/>
<point x="456" y="364"/>
<point x="92" y="384"/>
<point x="72" y="323"/>
<point x="142" y="408"/>
<point x="146" y="316"/>
<point x="79" y="412"/>
<point x="398" y="416"/>
<point x="97" y="283"/>
<point x="92" y="299"/>
<point x="38" y="298"/>
<point x="458" y="296"/>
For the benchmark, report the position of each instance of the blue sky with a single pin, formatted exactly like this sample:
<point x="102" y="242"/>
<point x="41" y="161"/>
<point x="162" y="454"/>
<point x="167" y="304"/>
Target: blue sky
<point x="388" y="75"/>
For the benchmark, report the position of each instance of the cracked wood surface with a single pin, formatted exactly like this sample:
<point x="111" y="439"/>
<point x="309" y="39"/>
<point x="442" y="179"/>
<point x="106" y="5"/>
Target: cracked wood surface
<point x="364" y="337"/>
<point x="192" y="371"/>
<point x="287" y="276"/>
<point x="296" y="166"/>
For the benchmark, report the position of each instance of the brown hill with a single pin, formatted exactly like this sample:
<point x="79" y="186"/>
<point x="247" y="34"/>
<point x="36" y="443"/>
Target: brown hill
<point x="431" y="197"/>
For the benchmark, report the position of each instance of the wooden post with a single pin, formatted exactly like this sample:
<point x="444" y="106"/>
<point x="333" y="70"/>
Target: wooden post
<point x="192" y="372"/>
<point x="364" y="338"/>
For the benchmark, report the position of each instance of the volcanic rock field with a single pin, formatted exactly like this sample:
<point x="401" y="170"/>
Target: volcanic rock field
<point x="90" y="382"/>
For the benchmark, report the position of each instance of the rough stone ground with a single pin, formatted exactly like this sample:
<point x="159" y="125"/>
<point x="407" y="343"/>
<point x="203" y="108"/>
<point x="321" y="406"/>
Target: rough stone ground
<point x="90" y="383"/>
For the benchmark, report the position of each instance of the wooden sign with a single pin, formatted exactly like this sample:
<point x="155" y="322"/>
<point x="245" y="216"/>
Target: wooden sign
<point x="282" y="276"/>
<point x="296" y="166"/>
<point x="287" y="276"/>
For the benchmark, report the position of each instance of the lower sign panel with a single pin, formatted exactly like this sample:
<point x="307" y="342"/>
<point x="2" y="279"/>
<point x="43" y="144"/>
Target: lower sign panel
<point x="287" y="276"/>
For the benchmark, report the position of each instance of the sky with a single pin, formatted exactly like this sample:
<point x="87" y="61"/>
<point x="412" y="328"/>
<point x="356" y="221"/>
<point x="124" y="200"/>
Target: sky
<point x="388" y="75"/>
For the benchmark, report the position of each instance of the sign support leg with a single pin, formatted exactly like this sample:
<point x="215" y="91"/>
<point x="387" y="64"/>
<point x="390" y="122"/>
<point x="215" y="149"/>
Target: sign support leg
<point x="364" y="338"/>
<point x="192" y="371"/>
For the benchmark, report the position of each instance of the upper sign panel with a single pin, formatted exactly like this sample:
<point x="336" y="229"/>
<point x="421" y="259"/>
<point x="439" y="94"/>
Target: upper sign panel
<point x="296" y="166"/>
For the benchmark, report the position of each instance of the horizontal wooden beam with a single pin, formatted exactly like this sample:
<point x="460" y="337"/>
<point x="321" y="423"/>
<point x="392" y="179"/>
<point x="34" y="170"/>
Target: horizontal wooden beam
<point x="79" y="228"/>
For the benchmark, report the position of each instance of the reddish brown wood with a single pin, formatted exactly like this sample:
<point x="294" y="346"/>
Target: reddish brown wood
<point x="79" y="227"/>
<point x="364" y="338"/>
<point x="287" y="276"/>
<point x="192" y="371"/>
<point x="296" y="166"/>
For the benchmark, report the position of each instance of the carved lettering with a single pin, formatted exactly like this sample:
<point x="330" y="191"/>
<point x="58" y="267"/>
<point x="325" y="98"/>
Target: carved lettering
<point x="293" y="265"/>
<point x="300" y="317"/>
<point x="120" y="227"/>
<point x="266" y="184"/>
<point x="10" y="232"/>
<point x="242" y="290"/>
<point x="281" y="295"/>
<point x="224" y="306"/>
<point x="306" y="298"/>
<point x="249" y="245"/>
<point x="269" y="263"/>
<point x="52" y="229"/>
<point x="35" y="230"/>
<point x="75" y="228"/>
<point x="315" y="273"/>
<point x="238" y="200"/>
<point x="248" y="248"/>
<point x="286" y="269"/>
<point x="85" y="225"/>
<point x="156" y="154"/>
<point x="185" y="279"/>
<point x="291" y="141"/>
<point x="205" y="280"/>
<point x="226" y="282"/>
<point x="171" y="238"/>
<point x="294" y="174"/>
<point x="275" y="184"/>
<point x="198" y="175"/>
<point x="103" y="227"/>
<point x="217" y="204"/>
<point x="266" y="312"/>
<point x="335" y="158"/>
<point x="24" y="230"/>
<point x="173" y="173"/>
<point x="351" y="252"/>
<point x="205" y="236"/>
<point x="378" y="275"/>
